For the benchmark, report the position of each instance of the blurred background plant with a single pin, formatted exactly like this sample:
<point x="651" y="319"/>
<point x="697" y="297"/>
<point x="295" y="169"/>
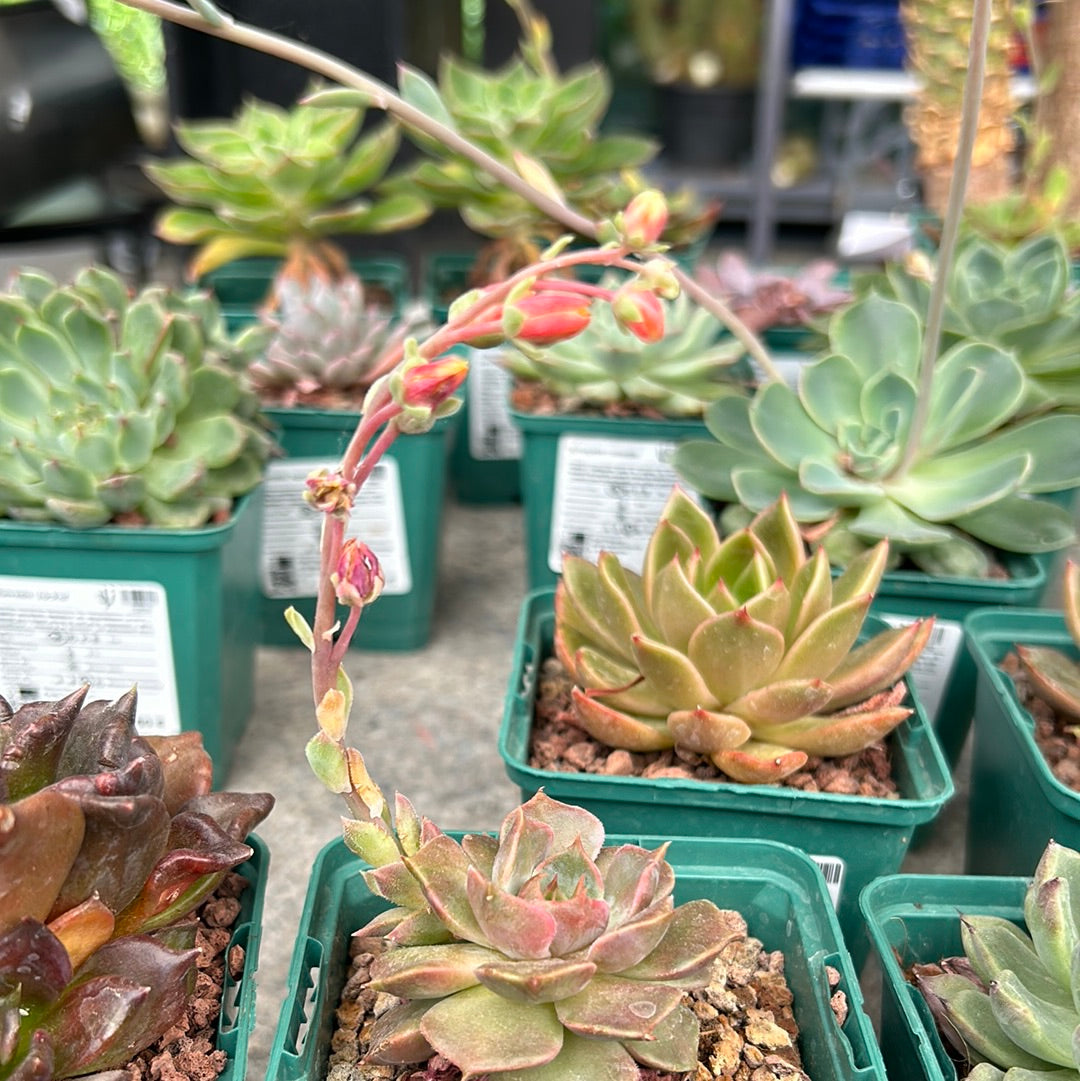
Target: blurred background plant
<point x="546" y="125"/>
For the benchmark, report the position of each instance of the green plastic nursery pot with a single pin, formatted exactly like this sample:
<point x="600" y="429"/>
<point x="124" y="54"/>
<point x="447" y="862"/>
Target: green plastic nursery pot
<point x="397" y="515"/>
<point x="242" y="285"/>
<point x="1017" y="805"/>
<point x="853" y="838"/>
<point x="592" y="482"/>
<point x="945" y="673"/>
<point x="486" y="451"/>
<point x="171" y="611"/>
<point x="916" y="918"/>
<point x="777" y="889"/>
<point x="237" y="1018"/>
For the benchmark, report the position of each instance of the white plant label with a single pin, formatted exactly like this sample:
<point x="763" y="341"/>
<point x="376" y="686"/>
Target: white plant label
<point x="608" y="496"/>
<point x="931" y="672"/>
<point x="787" y="364"/>
<point x="62" y="632"/>
<point x="493" y="436"/>
<point x="289" y="559"/>
<point x="833" y="869"/>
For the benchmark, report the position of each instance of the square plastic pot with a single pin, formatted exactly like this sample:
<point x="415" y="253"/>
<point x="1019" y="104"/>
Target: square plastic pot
<point x="591" y="483"/>
<point x="1016" y="805"/>
<point x="777" y="889"/>
<point x="916" y="918"/>
<point x="172" y="611"/>
<point x="945" y="674"/>
<point x="853" y="838"/>
<point x="398" y="515"/>
<point x="237" y="1018"/>
<point x="242" y="285"/>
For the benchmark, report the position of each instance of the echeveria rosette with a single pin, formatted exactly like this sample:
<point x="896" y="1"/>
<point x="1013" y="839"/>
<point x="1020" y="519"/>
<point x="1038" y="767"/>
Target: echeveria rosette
<point x="325" y="343"/>
<point x="741" y="649"/>
<point x="536" y="955"/>
<point x="605" y="365"/>
<point x="108" y="841"/>
<point x="272" y="182"/>
<point x="1016" y="297"/>
<point x="532" y="112"/>
<point x="1054" y="675"/>
<point x="835" y="447"/>
<point x="1011" y="1005"/>
<point x="120" y="406"/>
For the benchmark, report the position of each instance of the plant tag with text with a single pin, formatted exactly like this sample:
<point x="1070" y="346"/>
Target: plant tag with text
<point x="60" y="633"/>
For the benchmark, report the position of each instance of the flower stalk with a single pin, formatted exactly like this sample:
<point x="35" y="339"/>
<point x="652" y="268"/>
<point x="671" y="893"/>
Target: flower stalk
<point x="211" y="20"/>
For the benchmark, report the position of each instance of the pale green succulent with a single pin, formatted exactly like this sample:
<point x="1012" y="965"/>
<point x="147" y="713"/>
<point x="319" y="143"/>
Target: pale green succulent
<point x="280" y="182"/>
<point x="742" y="649"/>
<point x="324" y="344"/>
<point x="122" y="407"/>
<point x="1016" y="297"/>
<point x="1015" y="1014"/>
<point x="533" y="118"/>
<point x="690" y="366"/>
<point x="837" y="446"/>
<point x="536" y="955"/>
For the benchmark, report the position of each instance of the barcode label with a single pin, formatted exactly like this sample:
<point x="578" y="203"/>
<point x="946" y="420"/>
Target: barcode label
<point x="493" y="436"/>
<point x="833" y="870"/>
<point x="608" y="496"/>
<point x="62" y="632"/>
<point x="933" y="668"/>
<point x="289" y="555"/>
<point x="139" y="598"/>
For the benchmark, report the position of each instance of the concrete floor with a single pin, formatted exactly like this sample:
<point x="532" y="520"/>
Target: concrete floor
<point x="427" y="723"/>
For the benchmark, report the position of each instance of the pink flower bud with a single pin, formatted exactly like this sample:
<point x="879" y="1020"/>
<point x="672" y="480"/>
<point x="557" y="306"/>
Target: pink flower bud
<point x="432" y="383"/>
<point x="329" y="492"/>
<point x="645" y="218"/>
<point x="640" y="312"/>
<point x="358" y="579"/>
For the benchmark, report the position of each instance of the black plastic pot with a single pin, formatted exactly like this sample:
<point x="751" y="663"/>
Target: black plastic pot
<point x="711" y="128"/>
<point x="209" y="77"/>
<point x="64" y="112"/>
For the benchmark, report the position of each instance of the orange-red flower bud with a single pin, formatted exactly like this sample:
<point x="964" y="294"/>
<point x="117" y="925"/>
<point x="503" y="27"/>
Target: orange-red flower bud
<point x="645" y="218"/>
<point x="540" y="319"/>
<point x="358" y="578"/>
<point x="640" y="311"/>
<point x="432" y="383"/>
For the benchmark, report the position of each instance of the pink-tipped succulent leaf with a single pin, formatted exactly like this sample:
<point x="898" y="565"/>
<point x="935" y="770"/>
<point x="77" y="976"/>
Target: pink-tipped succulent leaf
<point x="563" y="958"/>
<point x="742" y="649"/>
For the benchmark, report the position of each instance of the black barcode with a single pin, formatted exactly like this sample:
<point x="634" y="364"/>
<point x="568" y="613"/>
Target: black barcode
<point x="282" y="574"/>
<point x="573" y="544"/>
<point x="937" y="635"/>
<point x="832" y="870"/>
<point x="139" y="598"/>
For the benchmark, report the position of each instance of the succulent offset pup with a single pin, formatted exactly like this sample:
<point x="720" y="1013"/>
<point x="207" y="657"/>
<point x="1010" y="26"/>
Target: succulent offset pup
<point x="108" y="840"/>
<point x="122" y="408"/>
<point x="1010" y="1005"/>
<point x="537" y="954"/>
<point x="605" y="365"/>
<point x="1055" y="676"/>
<point x="740" y="649"/>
